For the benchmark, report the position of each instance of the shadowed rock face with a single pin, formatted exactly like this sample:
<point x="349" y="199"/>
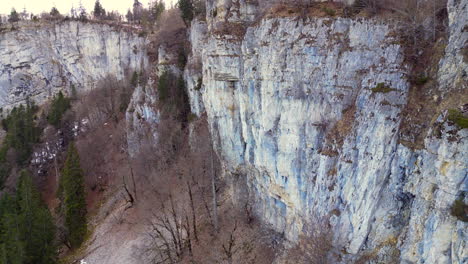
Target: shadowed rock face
<point x="38" y="60"/>
<point x="307" y="113"/>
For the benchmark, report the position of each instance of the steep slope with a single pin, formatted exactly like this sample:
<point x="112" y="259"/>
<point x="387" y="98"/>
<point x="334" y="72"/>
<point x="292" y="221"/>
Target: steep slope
<point x="39" y="59"/>
<point x="307" y="113"/>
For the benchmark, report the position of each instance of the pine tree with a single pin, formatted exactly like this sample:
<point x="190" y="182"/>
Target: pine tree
<point x="99" y="11"/>
<point x="60" y="104"/>
<point x="54" y="12"/>
<point x="74" y="198"/>
<point x="186" y="10"/>
<point x="11" y="246"/>
<point x="129" y="16"/>
<point x="35" y="221"/>
<point x="14" y="16"/>
<point x="156" y="10"/>
<point x="137" y="10"/>
<point x="22" y="132"/>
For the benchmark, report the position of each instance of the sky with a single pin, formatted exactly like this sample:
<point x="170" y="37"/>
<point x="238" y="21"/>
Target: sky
<point x="64" y="6"/>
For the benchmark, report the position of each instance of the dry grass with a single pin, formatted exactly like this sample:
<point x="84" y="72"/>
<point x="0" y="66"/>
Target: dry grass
<point x="237" y="30"/>
<point x="341" y="128"/>
<point x="316" y="9"/>
<point x="314" y="245"/>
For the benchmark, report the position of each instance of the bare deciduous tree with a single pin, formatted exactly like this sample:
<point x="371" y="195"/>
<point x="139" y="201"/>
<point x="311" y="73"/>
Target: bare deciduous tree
<point x="230" y="248"/>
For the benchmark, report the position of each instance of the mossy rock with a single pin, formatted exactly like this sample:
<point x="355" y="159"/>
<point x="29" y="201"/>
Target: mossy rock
<point x="382" y="88"/>
<point x="455" y="116"/>
<point x="191" y="117"/>
<point x="421" y="80"/>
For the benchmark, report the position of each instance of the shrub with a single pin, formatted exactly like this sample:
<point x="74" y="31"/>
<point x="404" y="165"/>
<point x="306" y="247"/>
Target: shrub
<point x="455" y="116"/>
<point x="460" y="209"/>
<point x="199" y="84"/>
<point x="163" y="86"/>
<point x="143" y="34"/>
<point x="134" y="80"/>
<point x="329" y="11"/>
<point x="191" y="117"/>
<point x="421" y="79"/>
<point x="181" y="59"/>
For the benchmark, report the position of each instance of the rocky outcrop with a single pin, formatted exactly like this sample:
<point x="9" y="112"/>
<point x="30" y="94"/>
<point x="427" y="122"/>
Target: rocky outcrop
<point x="143" y="114"/>
<point x="453" y="70"/>
<point x="37" y="60"/>
<point x="306" y="113"/>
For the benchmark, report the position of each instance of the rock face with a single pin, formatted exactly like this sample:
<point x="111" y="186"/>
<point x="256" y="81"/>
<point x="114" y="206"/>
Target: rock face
<point x="37" y="60"/>
<point x="143" y="115"/>
<point x="306" y="114"/>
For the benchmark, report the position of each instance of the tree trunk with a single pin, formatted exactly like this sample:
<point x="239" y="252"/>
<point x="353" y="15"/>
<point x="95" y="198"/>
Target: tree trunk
<point x="194" y="219"/>
<point x="213" y="190"/>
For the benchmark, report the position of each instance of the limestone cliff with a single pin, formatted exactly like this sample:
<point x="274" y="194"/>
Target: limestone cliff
<point x="307" y="113"/>
<point x="309" y="118"/>
<point x="39" y="59"/>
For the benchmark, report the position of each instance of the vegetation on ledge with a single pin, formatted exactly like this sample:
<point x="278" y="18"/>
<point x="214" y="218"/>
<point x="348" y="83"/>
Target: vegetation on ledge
<point x="455" y="116"/>
<point x="382" y="88"/>
<point x="460" y="209"/>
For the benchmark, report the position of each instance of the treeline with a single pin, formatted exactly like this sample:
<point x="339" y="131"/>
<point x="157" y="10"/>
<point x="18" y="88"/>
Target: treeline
<point x="136" y="13"/>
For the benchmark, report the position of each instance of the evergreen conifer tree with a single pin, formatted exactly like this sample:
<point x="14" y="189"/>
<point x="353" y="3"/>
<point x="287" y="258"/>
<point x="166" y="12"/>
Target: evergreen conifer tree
<point x="54" y="12"/>
<point x="186" y="10"/>
<point x="60" y="104"/>
<point x="14" y="16"/>
<point x="36" y="224"/>
<point x="74" y="198"/>
<point x="99" y="11"/>
<point x="11" y="246"/>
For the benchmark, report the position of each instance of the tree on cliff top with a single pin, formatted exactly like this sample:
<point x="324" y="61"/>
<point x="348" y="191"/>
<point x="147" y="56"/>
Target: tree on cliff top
<point x="54" y="12"/>
<point x="186" y="10"/>
<point x="156" y="10"/>
<point x="14" y="16"/>
<point x="72" y="187"/>
<point x="137" y="11"/>
<point x="83" y="15"/>
<point x="129" y="16"/>
<point x="99" y="12"/>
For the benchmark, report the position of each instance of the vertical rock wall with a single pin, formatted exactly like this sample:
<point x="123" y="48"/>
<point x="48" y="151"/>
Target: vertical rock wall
<point x="307" y="113"/>
<point x="37" y="60"/>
